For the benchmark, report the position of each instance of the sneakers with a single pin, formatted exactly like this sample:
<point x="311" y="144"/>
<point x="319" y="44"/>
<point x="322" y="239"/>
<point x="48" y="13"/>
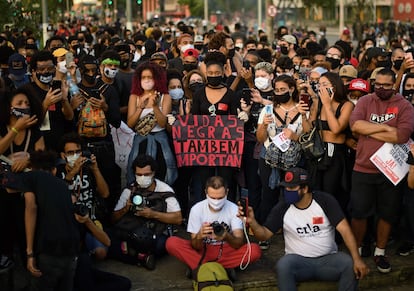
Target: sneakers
<point x="264" y="245"/>
<point x="382" y="264"/>
<point x="405" y="249"/>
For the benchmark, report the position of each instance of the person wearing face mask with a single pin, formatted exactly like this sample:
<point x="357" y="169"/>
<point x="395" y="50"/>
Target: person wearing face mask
<point x="193" y="81"/>
<point x="190" y="60"/>
<point x="382" y="117"/>
<point x="148" y="107"/>
<point x="374" y="57"/>
<point x="102" y="94"/>
<point x="147" y="203"/>
<point x="287" y="115"/>
<point x="335" y="55"/>
<point x="408" y="87"/>
<point x="397" y="58"/>
<point x="288" y="45"/>
<point x="56" y="107"/>
<point x="20" y="119"/>
<point x="184" y="42"/>
<point x="308" y="220"/>
<point x="86" y="183"/>
<point x="227" y="248"/>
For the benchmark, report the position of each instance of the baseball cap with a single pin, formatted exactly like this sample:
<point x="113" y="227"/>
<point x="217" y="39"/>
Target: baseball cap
<point x="191" y="52"/>
<point x="17" y="65"/>
<point x="348" y="71"/>
<point x="374" y="73"/>
<point x="289" y="38"/>
<point x="376" y="52"/>
<point x="198" y="38"/>
<point x="359" y="85"/>
<point x="59" y="52"/>
<point x="294" y="177"/>
<point x="159" y="56"/>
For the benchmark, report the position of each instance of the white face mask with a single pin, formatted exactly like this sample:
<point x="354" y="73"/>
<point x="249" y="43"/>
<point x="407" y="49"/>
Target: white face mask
<point x="144" y="181"/>
<point x="186" y="47"/>
<point x="147" y="85"/>
<point x="61" y="67"/>
<point x="216" y="204"/>
<point x="70" y="160"/>
<point x="239" y="45"/>
<point x="261" y="83"/>
<point x="110" y="73"/>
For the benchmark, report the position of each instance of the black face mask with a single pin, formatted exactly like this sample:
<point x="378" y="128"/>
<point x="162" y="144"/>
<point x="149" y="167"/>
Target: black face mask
<point x="139" y="47"/>
<point x="77" y="48"/>
<point x="231" y="53"/>
<point x="195" y="86"/>
<point x="314" y="86"/>
<point x="334" y="63"/>
<point x="385" y="64"/>
<point x="408" y="94"/>
<point x="20" y="112"/>
<point x="283" y="98"/>
<point x="89" y="79"/>
<point x="189" y="67"/>
<point x="215" y="81"/>
<point x="284" y="50"/>
<point x="124" y="64"/>
<point x="198" y="47"/>
<point x="397" y="64"/>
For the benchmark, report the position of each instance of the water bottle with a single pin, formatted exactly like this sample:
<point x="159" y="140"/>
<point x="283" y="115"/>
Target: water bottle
<point x="73" y="88"/>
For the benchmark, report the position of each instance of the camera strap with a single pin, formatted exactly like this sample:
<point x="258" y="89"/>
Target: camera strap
<point x="205" y="251"/>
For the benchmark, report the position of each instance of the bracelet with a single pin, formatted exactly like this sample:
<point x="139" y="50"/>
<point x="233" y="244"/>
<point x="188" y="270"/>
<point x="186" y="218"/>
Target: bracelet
<point x="15" y="130"/>
<point x="30" y="255"/>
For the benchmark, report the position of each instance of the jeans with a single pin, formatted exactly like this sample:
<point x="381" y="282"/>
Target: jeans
<point x="153" y="139"/>
<point x="57" y="273"/>
<point x="334" y="267"/>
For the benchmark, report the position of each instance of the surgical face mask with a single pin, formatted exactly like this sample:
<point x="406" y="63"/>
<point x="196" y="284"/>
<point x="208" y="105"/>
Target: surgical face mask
<point x="110" y="73"/>
<point x="20" y="112"/>
<point x="45" y="78"/>
<point x="261" y="83"/>
<point x="334" y="63"/>
<point x="239" y="45"/>
<point x="291" y="197"/>
<point x="176" y="94"/>
<point x="147" y="85"/>
<point x="70" y="160"/>
<point x="61" y="67"/>
<point x="144" y="181"/>
<point x="186" y="47"/>
<point x="216" y="204"/>
<point x="384" y="94"/>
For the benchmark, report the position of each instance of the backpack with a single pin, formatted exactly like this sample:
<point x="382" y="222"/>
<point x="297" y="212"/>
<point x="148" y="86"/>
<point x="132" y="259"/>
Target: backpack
<point x="92" y="121"/>
<point x="212" y="276"/>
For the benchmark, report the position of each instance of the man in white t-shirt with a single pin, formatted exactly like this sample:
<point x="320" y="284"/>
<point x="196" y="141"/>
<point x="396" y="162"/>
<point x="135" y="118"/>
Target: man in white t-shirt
<point x="216" y="232"/>
<point x="142" y="215"/>
<point x="309" y="220"/>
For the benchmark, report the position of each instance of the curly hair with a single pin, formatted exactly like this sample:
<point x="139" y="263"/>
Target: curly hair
<point x="159" y="75"/>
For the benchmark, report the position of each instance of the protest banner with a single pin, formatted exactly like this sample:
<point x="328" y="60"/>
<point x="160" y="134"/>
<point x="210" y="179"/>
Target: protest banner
<point x="202" y="140"/>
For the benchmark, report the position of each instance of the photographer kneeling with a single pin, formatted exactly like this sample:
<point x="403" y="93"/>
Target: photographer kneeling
<point x="142" y="216"/>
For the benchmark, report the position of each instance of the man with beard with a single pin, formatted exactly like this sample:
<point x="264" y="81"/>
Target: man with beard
<point x="56" y="107"/>
<point x="382" y="117"/>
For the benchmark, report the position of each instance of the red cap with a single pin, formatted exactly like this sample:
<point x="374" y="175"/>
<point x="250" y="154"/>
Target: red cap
<point x="191" y="52"/>
<point x="359" y="85"/>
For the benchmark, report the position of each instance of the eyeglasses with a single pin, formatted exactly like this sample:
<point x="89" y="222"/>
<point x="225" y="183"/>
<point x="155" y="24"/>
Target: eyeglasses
<point x="71" y="153"/>
<point x="383" y="85"/>
<point x="335" y="57"/>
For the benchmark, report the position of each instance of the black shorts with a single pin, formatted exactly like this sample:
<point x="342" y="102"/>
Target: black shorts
<point x="375" y="194"/>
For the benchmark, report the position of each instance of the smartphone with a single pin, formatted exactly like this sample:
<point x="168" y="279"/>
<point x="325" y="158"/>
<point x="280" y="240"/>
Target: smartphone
<point x="56" y="84"/>
<point x="247" y="95"/>
<point x="244" y="200"/>
<point x="95" y="93"/>
<point x="246" y="64"/>
<point x="330" y="91"/>
<point x="69" y="59"/>
<point x="269" y="108"/>
<point x="305" y="98"/>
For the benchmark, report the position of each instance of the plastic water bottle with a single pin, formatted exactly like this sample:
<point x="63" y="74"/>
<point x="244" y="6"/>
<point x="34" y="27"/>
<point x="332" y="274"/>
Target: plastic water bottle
<point x="73" y="88"/>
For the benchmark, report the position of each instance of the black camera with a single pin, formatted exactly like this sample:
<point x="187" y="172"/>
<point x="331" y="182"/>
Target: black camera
<point x="80" y="209"/>
<point x="87" y="154"/>
<point x="218" y="228"/>
<point x="138" y="202"/>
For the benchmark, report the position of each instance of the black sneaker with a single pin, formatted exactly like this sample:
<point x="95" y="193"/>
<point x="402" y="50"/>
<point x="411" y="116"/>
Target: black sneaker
<point x="405" y="249"/>
<point x="382" y="264"/>
<point x="150" y="262"/>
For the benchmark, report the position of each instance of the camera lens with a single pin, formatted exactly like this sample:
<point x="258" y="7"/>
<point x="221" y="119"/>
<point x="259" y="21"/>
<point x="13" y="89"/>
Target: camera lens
<point x="137" y="200"/>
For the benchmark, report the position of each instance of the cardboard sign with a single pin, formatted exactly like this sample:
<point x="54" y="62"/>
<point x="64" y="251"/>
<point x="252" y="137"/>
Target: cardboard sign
<point x="203" y="140"/>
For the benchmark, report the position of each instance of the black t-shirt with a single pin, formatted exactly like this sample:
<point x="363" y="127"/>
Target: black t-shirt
<point x="55" y="116"/>
<point x="227" y="105"/>
<point x="35" y="135"/>
<point x="57" y="231"/>
<point x="123" y="83"/>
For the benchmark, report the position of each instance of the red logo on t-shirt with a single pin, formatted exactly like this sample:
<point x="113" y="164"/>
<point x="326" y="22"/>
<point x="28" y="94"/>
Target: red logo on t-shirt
<point x="391" y="110"/>
<point x="52" y="107"/>
<point x="317" y="220"/>
<point x="222" y="107"/>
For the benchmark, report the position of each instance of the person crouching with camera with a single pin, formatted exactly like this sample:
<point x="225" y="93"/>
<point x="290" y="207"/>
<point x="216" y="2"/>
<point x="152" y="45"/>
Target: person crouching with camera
<point x="143" y="216"/>
<point x="216" y="232"/>
<point x="88" y="187"/>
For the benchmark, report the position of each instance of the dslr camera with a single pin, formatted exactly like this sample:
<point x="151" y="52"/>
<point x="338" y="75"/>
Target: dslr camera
<point x="218" y="228"/>
<point x="80" y="209"/>
<point x="138" y="202"/>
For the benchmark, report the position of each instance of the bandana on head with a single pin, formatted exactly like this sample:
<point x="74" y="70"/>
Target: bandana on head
<point x="110" y="62"/>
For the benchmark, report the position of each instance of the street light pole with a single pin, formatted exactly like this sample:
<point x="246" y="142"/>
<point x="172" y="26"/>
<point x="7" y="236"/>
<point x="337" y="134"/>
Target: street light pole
<point x="206" y="10"/>
<point x="128" y="15"/>
<point x="44" y="21"/>
<point x="259" y="14"/>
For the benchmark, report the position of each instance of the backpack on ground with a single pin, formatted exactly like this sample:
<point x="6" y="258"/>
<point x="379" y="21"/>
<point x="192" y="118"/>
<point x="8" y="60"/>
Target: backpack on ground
<point x="212" y="276"/>
<point x="92" y="121"/>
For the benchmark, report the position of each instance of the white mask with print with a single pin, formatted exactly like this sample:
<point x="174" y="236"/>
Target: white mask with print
<point x="70" y="160"/>
<point x="216" y="204"/>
